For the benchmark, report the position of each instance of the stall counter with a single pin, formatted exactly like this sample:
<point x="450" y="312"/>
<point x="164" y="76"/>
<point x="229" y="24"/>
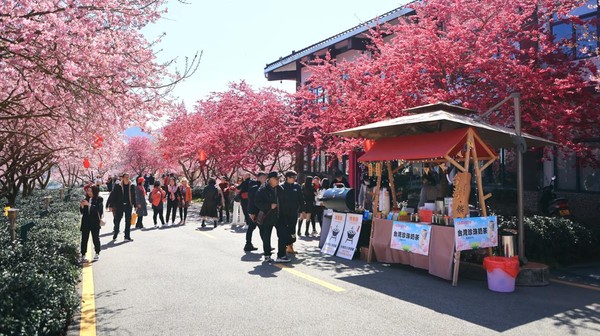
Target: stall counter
<point x="441" y="249"/>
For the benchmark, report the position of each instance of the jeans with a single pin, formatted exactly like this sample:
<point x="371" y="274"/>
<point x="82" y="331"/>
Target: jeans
<point x="171" y="205"/>
<point x="266" y="229"/>
<point x="226" y="208"/>
<point x="85" y="236"/>
<point x="183" y="213"/>
<point x="158" y="211"/>
<point x="124" y="210"/>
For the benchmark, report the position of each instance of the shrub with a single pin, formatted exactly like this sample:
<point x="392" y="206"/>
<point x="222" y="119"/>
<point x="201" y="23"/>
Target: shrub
<point x="38" y="294"/>
<point x="197" y="192"/>
<point x="554" y="240"/>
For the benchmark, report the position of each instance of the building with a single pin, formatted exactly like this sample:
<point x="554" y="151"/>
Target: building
<point x="573" y="179"/>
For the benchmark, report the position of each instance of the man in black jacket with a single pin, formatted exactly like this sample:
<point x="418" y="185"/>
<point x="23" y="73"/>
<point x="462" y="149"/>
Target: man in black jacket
<point x="267" y="203"/>
<point x="122" y="201"/>
<point x="251" y="209"/>
<point x="290" y="198"/>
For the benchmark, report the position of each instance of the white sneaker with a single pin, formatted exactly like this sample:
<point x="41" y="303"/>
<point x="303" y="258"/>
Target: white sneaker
<point x="96" y="256"/>
<point x="84" y="260"/>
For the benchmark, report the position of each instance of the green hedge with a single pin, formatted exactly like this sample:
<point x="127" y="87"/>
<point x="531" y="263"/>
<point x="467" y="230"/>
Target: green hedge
<point x="38" y="278"/>
<point x="555" y="241"/>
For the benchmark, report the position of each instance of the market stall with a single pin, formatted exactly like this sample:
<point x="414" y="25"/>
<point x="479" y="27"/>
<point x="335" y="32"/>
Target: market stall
<point x="434" y="134"/>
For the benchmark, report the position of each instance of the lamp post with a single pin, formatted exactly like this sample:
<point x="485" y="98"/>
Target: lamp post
<point x="521" y="147"/>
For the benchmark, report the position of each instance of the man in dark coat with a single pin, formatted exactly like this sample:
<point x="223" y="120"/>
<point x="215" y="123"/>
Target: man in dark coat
<point x="266" y="202"/>
<point x="244" y="189"/>
<point x="252" y="210"/>
<point x="121" y="202"/>
<point x="290" y="197"/>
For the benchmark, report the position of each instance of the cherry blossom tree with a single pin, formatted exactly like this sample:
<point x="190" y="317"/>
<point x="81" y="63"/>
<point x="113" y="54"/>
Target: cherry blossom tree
<point x="467" y="52"/>
<point x="141" y="156"/>
<point x="71" y="70"/>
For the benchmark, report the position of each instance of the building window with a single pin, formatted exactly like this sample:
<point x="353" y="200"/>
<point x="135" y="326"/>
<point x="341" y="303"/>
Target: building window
<point x="579" y="40"/>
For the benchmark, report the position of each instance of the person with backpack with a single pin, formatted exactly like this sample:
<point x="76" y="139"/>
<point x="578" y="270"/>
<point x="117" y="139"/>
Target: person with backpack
<point x="212" y="200"/>
<point x="157" y="198"/>
<point x="185" y="198"/>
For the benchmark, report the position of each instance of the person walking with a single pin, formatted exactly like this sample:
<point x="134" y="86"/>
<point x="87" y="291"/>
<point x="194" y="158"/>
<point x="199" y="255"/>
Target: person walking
<point x="261" y="178"/>
<point x="147" y="182"/>
<point x="267" y="203"/>
<point x="109" y="184"/>
<point x="151" y="181"/>
<point x="140" y="196"/>
<point x="237" y="214"/>
<point x="185" y="194"/>
<point x="91" y="214"/>
<point x="157" y="198"/>
<point x="308" y="206"/>
<point x="173" y="197"/>
<point x="316" y="181"/>
<point x="224" y="186"/>
<point x="212" y="199"/>
<point x="121" y="202"/>
<point x="243" y="188"/>
<point x="290" y="199"/>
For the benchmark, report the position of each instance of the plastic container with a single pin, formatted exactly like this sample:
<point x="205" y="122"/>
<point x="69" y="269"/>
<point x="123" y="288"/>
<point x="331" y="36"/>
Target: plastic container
<point x="425" y="215"/>
<point x="501" y="273"/>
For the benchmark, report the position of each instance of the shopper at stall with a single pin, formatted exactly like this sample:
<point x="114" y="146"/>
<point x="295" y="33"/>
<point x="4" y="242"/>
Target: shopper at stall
<point x="173" y="197"/>
<point x="290" y="199"/>
<point x="253" y="210"/>
<point x="140" y="199"/>
<point x="268" y="209"/>
<point x="319" y="207"/>
<point x="340" y="178"/>
<point x="157" y="198"/>
<point x="91" y="214"/>
<point x="308" y="205"/>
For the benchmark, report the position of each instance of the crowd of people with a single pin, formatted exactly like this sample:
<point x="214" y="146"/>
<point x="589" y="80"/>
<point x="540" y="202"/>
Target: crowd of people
<point x="269" y="201"/>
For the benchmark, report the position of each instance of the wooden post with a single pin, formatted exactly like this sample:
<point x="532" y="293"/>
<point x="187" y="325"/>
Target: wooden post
<point x="375" y="213"/>
<point x="12" y="218"/>
<point x="392" y="187"/>
<point x="47" y="201"/>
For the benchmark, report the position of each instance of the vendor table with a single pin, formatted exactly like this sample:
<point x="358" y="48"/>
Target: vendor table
<point x="441" y="249"/>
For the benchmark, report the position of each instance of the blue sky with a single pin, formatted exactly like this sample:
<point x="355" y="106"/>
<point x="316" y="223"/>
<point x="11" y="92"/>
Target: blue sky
<point x="240" y="37"/>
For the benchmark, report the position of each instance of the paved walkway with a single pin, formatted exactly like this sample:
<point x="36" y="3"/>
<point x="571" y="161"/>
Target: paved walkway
<point x="183" y="280"/>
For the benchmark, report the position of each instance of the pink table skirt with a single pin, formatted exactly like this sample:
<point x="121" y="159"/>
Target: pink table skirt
<point x="441" y="249"/>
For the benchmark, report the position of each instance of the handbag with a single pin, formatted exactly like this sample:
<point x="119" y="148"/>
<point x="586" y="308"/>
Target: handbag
<point x="134" y="217"/>
<point x="102" y="222"/>
<point x="260" y="218"/>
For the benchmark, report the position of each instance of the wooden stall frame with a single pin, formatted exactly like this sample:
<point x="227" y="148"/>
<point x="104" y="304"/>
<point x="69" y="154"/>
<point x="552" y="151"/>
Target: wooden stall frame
<point x="471" y="153"/>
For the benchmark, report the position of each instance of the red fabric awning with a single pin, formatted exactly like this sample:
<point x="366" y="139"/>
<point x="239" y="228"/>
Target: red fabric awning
<point x="426" y="147"/>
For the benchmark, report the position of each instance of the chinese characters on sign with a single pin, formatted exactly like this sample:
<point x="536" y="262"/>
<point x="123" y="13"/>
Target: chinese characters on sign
<point x="411" y="237"/>
<point x="335" y="233"/>
<point x="475" y="232"/>
<point x="350" y="236"/>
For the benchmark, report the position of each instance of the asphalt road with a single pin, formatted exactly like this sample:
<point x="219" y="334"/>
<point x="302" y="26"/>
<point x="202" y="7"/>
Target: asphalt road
<point x="184" y="281"/>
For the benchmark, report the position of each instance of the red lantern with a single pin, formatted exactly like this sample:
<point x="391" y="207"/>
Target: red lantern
<point x="98" y="141"/>
<point x="369" y="144"/>
<point x="202" y="156"/>
<point x="86" y="163"/>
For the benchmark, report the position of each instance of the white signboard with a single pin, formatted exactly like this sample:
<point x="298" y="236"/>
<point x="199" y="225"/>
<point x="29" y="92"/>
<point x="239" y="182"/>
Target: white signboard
<point x="350" y="237"/>
<point x="335" y="233"/>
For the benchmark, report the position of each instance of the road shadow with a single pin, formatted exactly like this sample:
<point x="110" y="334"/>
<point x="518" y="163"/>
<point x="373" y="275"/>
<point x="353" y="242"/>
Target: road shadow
<point x="113" y="243"/>
<point x="471" y="301"/>
<point x="265" y="270"/>
<point x="251" y="257"/>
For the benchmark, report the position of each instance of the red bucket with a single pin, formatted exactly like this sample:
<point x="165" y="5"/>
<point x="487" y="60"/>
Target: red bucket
<point x="501" y="273"/>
